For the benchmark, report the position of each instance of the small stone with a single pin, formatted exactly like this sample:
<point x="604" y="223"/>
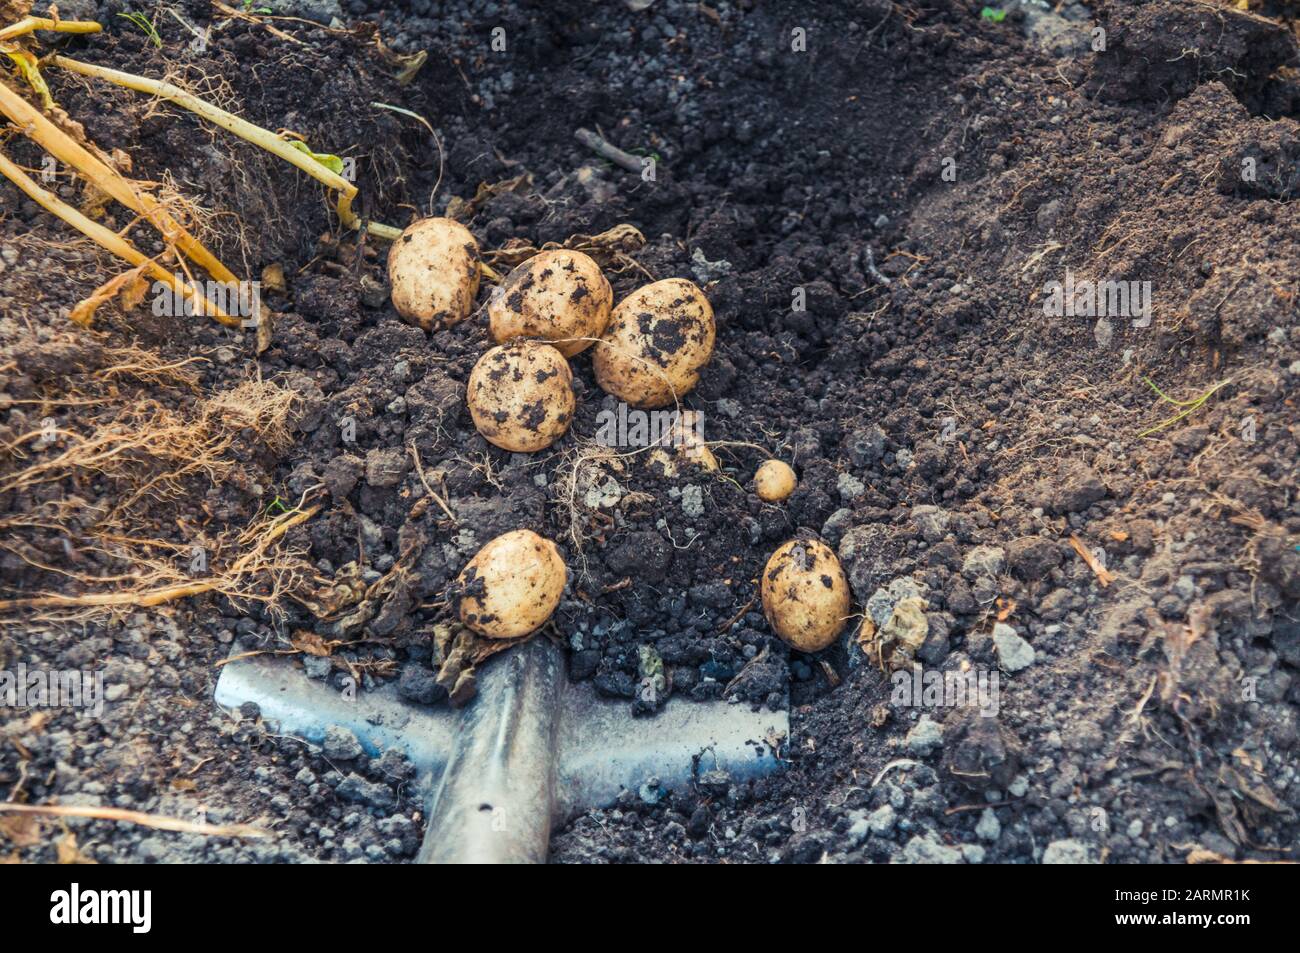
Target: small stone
<point x="881" y="821"/>
<point x="317" y="667"/>
<point x="341" y="744"/>
<point x="1068" y="851"/>
<point x="924" y="737"/>
<point x="358" y="790"/>
<point x="692" y="501"/>
<point x="341" y="475"/>
<point x="849" y="487"/>
<point x="931" y="522"/>
<point x="989" y="827"/>
<point x="927" y="849"/>
<point x="1014" y="653"/>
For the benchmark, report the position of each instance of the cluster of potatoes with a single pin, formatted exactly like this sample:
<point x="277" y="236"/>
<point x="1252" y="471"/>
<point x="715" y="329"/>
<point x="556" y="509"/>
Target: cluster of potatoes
<point x="648" y="352"/>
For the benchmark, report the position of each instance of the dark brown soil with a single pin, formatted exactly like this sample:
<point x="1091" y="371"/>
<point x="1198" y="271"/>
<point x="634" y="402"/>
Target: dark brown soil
<point x="918" y="175"/>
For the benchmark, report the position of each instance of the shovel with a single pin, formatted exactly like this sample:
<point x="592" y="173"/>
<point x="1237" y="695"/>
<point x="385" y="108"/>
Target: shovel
<point x="531" y="751"/>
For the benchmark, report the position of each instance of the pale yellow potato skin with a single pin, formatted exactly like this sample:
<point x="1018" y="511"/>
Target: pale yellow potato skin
<point x="558" y="296"/>
<point x="522" y="577"/>
<point x="520" y="396"/>
<point x="687" y="443"/>
<point x="658" y="340"/>
<point x="805" y="595"/>
<point x="774" y="481"/>
<point x="433" y="271"/>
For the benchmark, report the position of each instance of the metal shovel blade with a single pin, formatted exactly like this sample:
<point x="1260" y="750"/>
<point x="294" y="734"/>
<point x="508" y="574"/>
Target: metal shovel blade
<point x="531" y="750"/>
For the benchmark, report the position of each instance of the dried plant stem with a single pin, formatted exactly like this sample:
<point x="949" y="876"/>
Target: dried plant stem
<point x="107" y="239"/>
<point x="242" y="128"/>
<point x="31" y="24"/>
<point x="71" y="153"/>
<point x="156" y="821"/>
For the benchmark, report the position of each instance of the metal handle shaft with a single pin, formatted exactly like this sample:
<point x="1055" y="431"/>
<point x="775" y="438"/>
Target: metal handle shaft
<point x="495" y="801"/>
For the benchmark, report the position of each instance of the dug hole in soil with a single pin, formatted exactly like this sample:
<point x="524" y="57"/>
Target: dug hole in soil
<point x="1099" y="509"/>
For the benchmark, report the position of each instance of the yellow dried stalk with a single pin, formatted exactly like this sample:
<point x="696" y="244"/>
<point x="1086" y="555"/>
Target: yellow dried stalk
<point x="242" y="128"/>
<point x="108" y="239"/>
<point x="31" y="24"/>
<point x="108" y="180"/>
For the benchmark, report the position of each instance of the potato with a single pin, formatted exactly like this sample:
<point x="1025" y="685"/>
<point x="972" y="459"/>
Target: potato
<point x="512" y="585"/>
<point x="685" y="437"/>
<point x="556" y="296"/>
<point x="774" y="481"/>
<point x="805" y="595"/>
<point x="433" y="270"/>
<point x="658" y="339"/>
<point x="520" y="396"/>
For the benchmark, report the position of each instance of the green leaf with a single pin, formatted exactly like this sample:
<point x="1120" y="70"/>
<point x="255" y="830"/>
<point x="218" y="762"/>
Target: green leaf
<point x="331" y="162"/>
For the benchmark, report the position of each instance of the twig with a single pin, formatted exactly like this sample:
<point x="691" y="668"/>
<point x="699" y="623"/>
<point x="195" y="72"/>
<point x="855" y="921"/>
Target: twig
<point x="156" y="821"/>
<point x="419" y="469"/>
<point x="1104" y="576"/>
<point x="605" y="150"/>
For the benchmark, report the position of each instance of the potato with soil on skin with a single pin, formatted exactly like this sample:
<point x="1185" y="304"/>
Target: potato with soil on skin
<point x="556" y="296"/>
<point x="774" y="481"/>
<point x="520" y="396"/>
<point x="805" y="594"/>
<point x="512" y="585"/>
<point x="685" y="440"/>
<point x="433" y="270"/>
<point x="658" y="340"/>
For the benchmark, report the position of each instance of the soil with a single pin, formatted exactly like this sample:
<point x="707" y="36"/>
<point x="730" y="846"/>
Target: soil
<point x="876" y="202"/>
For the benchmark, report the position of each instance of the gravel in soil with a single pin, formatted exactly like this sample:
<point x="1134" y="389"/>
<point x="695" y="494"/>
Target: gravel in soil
<point x="999" y="481"/>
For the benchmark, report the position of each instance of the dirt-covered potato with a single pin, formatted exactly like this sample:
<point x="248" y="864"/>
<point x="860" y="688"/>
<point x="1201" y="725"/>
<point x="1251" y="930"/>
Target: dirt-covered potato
<point x="512" y="585"/>
<point x="805" y="595"/>
<point x="774" y="481"/>
<point x="557" y="296"/>
<point x="433" y="270"/>
<point x="520" y="396"/>
<point x="658" y="339"/>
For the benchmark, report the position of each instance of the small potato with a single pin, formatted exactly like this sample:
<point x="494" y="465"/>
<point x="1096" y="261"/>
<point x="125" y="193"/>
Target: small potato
<point x="558" y="296"/>
<point x="658" y="339"/>
<point x="805" y="595"/>
<point x="774" y="481"/>
<point x="520" y="396"/>
<point x="512" y="585"/>
<point x="686" y="438"/>
<point x="433" y="270"/>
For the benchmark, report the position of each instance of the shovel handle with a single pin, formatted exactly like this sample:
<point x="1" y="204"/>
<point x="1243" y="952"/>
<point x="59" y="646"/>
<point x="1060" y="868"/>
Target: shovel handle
<point x="495" y="800"/>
